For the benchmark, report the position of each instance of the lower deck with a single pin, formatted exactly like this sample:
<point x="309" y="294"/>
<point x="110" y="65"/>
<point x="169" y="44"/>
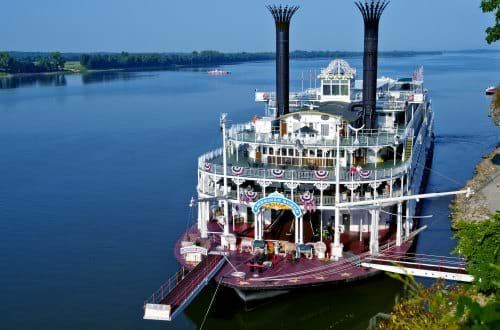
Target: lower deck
<point x="278" y="266"/>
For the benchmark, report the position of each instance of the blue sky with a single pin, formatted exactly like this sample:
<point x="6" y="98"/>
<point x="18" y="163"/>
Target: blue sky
<point x="233" y="25"/>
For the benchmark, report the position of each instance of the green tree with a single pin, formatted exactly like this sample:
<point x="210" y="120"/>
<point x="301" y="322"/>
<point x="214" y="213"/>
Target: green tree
<point x="5" y="60"/>
<point x="57" y="61"/>
<point x="492" y="32"/>
<point x="479" y="243"/>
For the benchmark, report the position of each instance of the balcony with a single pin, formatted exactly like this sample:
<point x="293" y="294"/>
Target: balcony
<point x="365" y="138"/>
<point x="241" y="167"/>
<point x="328" y="199"/>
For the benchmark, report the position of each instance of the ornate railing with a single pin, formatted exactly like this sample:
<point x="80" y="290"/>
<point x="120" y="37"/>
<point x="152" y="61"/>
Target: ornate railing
<point x="328" y="200"/>
<point x="205" y="164"/>
<point x="365" y="138"/>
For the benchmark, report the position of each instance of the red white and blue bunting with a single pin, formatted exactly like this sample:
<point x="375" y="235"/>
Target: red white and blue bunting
<point x="364" y="173"/>
<point x="321" y="175"/>
<point x="207" y="167"/>
<point x="307" y="201"/>
<point x="237" y="170"/>
<point x="277" y="173"/>
<point x="249" y="196"/>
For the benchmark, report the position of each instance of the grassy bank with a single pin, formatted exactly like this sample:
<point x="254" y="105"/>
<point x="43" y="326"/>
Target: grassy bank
<point x="75" y="67"/>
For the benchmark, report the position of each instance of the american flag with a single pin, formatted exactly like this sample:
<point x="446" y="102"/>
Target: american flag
<point x="418" y="75"/>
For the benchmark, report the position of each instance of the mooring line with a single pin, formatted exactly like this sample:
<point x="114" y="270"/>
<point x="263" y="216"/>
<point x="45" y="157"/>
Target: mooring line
<point x="210" y="305"/>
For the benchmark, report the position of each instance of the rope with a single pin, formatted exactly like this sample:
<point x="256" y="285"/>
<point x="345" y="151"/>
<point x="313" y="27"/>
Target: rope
<point x="210" y="305"/>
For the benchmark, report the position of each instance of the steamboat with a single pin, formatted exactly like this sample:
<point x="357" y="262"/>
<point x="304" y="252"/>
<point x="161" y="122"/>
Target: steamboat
<point x="304" y="194"/>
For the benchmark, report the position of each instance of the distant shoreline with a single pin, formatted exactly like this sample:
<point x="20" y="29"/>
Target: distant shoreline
<point x="74" y="65"/>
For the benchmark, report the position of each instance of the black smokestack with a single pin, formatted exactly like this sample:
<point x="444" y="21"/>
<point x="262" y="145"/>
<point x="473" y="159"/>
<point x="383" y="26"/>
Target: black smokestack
<point x="282" y="17"/>
<point x="371" y="11"/>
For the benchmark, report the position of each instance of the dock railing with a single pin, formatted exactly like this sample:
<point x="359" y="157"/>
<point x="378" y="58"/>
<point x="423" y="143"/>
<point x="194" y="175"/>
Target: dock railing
<point x="167" y="287"/>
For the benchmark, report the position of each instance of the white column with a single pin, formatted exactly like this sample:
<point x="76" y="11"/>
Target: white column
<point x="407" y="220"/>
<point x="264" y="183"/>
<point x="399" y="224"/>
<point x="238" y="182"/>
<point x="224" y="165"/>
<point x="292" y="186"/>
<point x="361" y="229"/>
<point x="321" y="215"/>
<point x="337" y="248"/>
<point x="261" y="226"/>
<point x="321" y="186"/>
<point x="374" y="232"/>
<point x="202" y="206"/>
<point x="301" y="229"/>
<point x="256" y="226"/>
<point x="296" y="224"/>
<point x="200" y="219"/>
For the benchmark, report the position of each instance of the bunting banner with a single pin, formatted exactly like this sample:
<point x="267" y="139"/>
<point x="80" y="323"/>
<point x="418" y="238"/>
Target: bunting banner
<point x="277" y="173"/>
<point x="249" y="196"/>
<point x="321" y="175"/>
<point x="207" y="167"/>
<point x="237" y="170"/>
<point x="364" y="173"/>
<point x="307" y="201"/>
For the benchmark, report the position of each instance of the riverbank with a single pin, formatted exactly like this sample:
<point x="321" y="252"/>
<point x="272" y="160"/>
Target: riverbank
<point x="486" y="197"/>
<point x="33" y="62"/>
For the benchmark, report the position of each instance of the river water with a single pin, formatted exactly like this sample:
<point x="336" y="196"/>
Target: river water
<point x="96" y="172"/>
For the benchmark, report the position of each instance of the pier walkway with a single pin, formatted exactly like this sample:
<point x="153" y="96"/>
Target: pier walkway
<point x="175" y="294"/>
<point x="420" y="265"/>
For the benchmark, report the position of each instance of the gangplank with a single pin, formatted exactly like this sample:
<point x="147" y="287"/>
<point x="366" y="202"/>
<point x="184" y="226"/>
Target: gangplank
<point x="174" y="295"/>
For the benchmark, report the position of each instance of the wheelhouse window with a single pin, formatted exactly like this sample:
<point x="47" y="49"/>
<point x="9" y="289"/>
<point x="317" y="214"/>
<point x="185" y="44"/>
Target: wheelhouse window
<point x="327" y="89"/>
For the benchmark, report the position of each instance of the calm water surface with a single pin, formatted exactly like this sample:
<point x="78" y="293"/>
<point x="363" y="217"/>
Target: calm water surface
<point x="96" y="172"/>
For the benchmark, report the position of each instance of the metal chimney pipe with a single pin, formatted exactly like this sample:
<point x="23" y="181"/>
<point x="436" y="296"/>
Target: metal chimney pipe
<point x="372" y="11"/>
<point x="282" y="16"/>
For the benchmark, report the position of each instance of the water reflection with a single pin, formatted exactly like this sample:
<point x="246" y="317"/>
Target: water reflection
<point x="33" y="81"/>
<point x="47" y="80"/>
<point x="108" y="76"/>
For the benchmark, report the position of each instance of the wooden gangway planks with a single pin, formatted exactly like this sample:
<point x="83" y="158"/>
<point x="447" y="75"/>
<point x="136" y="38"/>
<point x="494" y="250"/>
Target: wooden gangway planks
<point x="175" y="294"/>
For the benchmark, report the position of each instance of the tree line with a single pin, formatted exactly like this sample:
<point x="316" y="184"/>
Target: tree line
<point x="38" y="62"/>
<point x="50" y="63"/>
<point x="126" y="60"/>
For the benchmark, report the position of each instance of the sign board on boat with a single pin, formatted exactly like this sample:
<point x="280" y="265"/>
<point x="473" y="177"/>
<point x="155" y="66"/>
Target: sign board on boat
<point x="277" y="201"/>
<point x="194" y="249"/>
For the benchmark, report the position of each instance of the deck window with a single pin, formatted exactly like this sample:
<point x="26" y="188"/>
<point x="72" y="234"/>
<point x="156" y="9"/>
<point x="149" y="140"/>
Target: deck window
<point x="325" y="129"/>
<point x="344" y="89"/>
<point x="327" y="90"/>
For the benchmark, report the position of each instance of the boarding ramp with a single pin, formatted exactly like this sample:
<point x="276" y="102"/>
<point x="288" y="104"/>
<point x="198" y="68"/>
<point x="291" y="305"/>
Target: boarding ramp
<point x="420" y="265"/>
<point x="176" y="293"/>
